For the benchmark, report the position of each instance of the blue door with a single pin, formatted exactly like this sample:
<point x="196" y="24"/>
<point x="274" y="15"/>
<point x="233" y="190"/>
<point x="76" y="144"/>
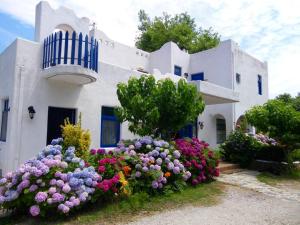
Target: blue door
<point x="197" y="76"/>
<point x="187" y="131"/>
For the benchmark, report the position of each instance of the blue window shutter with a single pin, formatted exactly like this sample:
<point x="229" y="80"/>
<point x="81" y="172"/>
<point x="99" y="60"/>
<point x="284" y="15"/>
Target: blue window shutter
<point x="177" y="70"/>
<point x="197" y="76"/>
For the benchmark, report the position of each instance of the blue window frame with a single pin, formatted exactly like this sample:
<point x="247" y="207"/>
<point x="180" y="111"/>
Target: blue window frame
<point x="4" y="120"/>
<point x="177" y="70"/>
<point x="259" y="84"/>
<point x="197" y="76"/>
<point x="110" y="128"/>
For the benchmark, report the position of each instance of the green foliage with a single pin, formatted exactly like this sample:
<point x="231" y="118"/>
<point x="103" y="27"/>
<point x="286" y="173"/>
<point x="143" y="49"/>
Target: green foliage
<point x="288" y="99"/>
<point x="277" y="118"/>
<point x="158" y="108"/>
<point x="74" y="135"/>
<point x="239" y="148"/>
<point x="180" y="29"/>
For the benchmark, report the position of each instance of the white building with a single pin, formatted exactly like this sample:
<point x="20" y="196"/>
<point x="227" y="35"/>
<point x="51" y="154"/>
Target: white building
<point x="83" y="79"/>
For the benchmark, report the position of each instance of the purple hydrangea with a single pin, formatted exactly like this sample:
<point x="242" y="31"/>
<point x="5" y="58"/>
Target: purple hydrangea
<point x="138" y="174"/>
<point x="155" y="184"/>
<point x="66" y="188"/>
<point x="41" y="197"/>
<point x="176" y="170"/>
<point x="57" y="197"/>
<point x="33" y="188"/>
<point x="176" y="154"/>
<point x="34" y="210"/>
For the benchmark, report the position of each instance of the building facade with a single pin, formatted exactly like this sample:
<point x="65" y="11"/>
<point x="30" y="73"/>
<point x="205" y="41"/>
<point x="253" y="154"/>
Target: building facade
<point x="73" y="68"/>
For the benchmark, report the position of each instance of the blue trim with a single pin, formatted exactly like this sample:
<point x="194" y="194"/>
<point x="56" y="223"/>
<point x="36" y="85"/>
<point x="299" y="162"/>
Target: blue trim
<point x="118" y="128"/>
<point x="44" y="52"/>
<point x="51" y="48"/>
<point x="177" y="70"/>
<point x="73" y="47"/>
<point x="79" y="49"/>
<point x="59" y="47"/>
<point x="259" y="84"/>
<point x="66" y="47"/>
<point x="197" y="76"/>
<point x="54" y="51"/>
<point x="86" y="52"/>
<point x="91" y="52"/>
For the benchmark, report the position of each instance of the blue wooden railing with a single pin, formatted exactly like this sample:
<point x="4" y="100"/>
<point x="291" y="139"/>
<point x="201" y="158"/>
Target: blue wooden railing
<point x="59" y="48"/>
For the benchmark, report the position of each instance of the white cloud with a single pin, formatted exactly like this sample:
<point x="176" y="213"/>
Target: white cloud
<point x="269" y="30"/>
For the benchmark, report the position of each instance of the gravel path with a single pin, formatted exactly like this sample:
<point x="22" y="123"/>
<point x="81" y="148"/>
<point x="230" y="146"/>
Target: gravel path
<point x="247" y="179"/>
<point x="239" y="206"/>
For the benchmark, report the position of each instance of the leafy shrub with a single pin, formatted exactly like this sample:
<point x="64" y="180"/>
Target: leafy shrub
<point x="198" y="159"/>
<point x="74" y="135"/>
<point x="240" y="148"/>
<point x="279" y="120"/>
<point x="158" y="108"/>
<point x="244" y="148"/>
<point x="48" y="183"/>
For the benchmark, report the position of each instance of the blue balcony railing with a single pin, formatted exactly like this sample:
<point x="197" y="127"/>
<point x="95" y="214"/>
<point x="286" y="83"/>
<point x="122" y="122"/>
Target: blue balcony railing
<point x="59" y="48"/>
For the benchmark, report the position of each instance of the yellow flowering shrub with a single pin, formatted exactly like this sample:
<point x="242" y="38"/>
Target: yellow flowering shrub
<point x="74" y="135"/>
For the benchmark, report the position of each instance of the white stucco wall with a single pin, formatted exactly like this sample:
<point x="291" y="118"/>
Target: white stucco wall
<point x="7" y="76"/>
<point x="216" y="63"/>
<point x="249" y="67"/>
<point x="47" y="19"/>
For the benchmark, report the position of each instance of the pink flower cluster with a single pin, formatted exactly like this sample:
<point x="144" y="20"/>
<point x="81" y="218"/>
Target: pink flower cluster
<point x="198" y="159"/>
<point x="109" y="184"/>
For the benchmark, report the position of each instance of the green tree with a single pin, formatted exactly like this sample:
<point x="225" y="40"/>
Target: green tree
<point x="180" y="29"/>
<point x="277" y="118"/>
<point x="158" y="108"/>
<point x="288" y="99"/>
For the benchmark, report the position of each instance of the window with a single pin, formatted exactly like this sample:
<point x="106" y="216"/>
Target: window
<point x="177" y="70"/>
<point x="198" y="76"/>
<point x="110" y="128"/>
<point x="259" y="84"/>
<point x="238" y="78"/>
<point x="4" y="120"/>
<point x="221" y="130"/>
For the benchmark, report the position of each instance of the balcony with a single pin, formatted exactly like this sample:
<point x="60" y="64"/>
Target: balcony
<point x="70" y="59"/>
<point x="214" y="94"/>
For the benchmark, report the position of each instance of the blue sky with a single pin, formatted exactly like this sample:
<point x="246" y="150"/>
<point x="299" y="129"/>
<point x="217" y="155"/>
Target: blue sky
<point x="10" y="28"/>
<point x="267" y="29"/>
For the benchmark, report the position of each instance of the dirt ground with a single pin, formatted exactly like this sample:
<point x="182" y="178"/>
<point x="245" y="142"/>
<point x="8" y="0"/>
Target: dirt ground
<point x="239" y="206"/>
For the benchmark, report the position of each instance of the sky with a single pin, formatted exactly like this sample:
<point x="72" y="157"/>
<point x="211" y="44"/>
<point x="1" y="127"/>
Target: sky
<point x="266" y="29"/>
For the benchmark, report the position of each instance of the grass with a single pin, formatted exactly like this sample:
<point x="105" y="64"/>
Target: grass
<point x="140" y="204"/>
<point x="273" y="180"/>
